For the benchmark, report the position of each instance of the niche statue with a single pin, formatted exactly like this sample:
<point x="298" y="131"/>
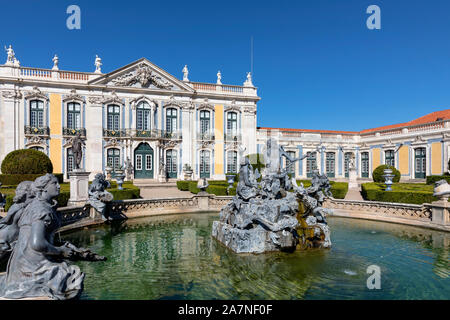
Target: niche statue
<point x="98" y="196"/>
<point x="37" y="266"/>
<point x="265" y="216"/>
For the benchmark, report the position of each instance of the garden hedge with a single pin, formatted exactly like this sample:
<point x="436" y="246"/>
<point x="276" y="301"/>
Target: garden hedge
<point x="378" y="173"/>
<point x="433" y="179"/>
<point x="401" y="193"/>
<point x="15" y="179"/>
<point x="338" y="189"/>
<point x="26" y="161"/>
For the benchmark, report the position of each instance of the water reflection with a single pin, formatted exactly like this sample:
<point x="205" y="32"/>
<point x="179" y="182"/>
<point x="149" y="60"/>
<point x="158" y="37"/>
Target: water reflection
<point x="174" y="257"/>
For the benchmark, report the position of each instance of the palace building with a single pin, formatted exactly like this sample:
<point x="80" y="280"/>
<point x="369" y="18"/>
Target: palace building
<point x="417" y="148"/>
<point x="138" y="112"/>
<point x="142" y="114"/>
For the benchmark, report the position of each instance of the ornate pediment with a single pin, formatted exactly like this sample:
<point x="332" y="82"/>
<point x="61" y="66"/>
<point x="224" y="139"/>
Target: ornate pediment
<point x="36" y="94"/>
<point x="73" y="96"/>
<point x="142" y="74"/>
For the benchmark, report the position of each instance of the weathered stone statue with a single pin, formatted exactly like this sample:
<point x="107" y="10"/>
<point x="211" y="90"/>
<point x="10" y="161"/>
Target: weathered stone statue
<point x="9" y="229"/>
<point x="77" y="150"/>
<point x="129" y="169"/>
<point x="36" y="267"/>
<point x="264" y="216"/>
<point x="98" y="196"/>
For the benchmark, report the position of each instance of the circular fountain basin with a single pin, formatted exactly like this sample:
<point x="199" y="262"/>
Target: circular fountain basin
<point x="175" y="257"/>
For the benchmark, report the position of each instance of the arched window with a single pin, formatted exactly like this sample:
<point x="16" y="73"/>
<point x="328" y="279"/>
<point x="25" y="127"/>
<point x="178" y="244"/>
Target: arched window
<point x="232" y="162"/>
<point x="171" y="163"/>
<point x="205" y="164"/>
<point x="330" y="164"/>
<point x="171" y="120"/>
<point x="311" y="163"/>
<point x="365" y="164"/>
<point x="36" y="113"/>
<point x="73" y="115"/>
<point x="205" y="121"/>
<point x="113" y="117"/>
<point x="232" y="124"/>
<point x="38" y="149"/>
<point x="143" y="116"/>
<point x="290" y="166"/>
<point x="113" y="159"/>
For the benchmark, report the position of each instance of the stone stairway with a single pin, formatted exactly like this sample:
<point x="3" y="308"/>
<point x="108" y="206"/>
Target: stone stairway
<point x="153" y="189"/>
<point x="354" y="194"/>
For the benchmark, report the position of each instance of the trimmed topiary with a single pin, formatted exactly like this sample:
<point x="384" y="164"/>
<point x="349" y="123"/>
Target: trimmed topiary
<point x="378" y="173"/>
<point x="26" y="161"/>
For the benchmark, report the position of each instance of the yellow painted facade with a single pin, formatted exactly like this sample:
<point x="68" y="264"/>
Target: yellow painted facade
<point x="436" y="158"/>
<point x="55" y="132"/>
<point x="376" y="157"/>
<point x="403" y="160"/>
<point x="219" y="136"/>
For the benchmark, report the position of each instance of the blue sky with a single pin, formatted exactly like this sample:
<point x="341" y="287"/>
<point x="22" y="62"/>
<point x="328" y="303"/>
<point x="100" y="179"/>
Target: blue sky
<point x="316" y="65"/>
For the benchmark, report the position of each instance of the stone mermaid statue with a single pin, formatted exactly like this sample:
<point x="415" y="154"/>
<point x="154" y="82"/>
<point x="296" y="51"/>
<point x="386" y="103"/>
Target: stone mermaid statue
<point x="36" y="267"/>
<point x="98" y="196"/>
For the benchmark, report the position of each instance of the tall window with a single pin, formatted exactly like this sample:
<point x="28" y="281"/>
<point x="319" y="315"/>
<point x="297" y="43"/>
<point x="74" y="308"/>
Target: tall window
<point x="389" y="158"/>
<point x="205" y="120"/>
<point x="113" y="117"/>
<point x="330" y="164"/>
<point x="171" y="163"/>
<point x="420" y="163"/>
<point x="143" y="118"/>
<point x="38" y="149"/>
<point x="205" y="158"/>
<point x="365" y="164"/>
<point x="290" y="167"/>
<point x="171" y="120"/>
<point x="232" y="162"/>
<point x="70" y="161"/>
<point x="113" y="159"/>
<point x="347" y="157"/>
<point x="232" y="124"/>
<point x="311" y="163"/>
<point x="73" y="115"/>
<point x="36" y="113"/>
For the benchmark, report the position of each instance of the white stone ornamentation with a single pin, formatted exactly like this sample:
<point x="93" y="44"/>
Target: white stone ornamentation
<point x="55" y="62"/>
<point x="98" y="64"/>
<point x="219" y="77"/>
<point x="185" y="73"/>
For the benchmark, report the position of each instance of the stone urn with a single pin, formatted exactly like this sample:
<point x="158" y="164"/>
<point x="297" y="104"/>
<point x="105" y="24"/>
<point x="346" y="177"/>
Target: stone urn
<point x="388" y="176"/>
<point x="230" y="180"/>
<point x="442" y="190"/>
<point x="202" y="184"/>
<point x="120" y="177"/>
<point x="187" y="172"/>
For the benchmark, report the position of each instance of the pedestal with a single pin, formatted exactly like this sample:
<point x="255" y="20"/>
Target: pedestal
<point x="352" y="176"/>
<point x="79" y="185"/>
<point x="440" y="212"/>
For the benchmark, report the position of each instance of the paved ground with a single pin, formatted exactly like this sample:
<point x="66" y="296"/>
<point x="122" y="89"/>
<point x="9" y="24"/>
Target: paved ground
<point x="354" y="194"/>
<point x="153" y="190"/>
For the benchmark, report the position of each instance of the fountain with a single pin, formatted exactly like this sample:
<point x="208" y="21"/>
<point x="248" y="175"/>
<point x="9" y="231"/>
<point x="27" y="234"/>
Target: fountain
<point x="274" y="214"/>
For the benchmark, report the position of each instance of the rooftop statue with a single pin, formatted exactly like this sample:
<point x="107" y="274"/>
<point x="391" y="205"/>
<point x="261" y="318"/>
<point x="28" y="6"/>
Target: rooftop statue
<point x="98" y="196"/>
<point x="264" y="216"/>
<point x="36" y="267"/>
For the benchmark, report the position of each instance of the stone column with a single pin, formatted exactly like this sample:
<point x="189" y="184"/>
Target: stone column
<point x="440" y="211"/>
<point x="94" y="137"/>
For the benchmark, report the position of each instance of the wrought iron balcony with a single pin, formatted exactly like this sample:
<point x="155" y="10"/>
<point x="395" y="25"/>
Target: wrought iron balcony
<point x="74" y="132"/>
<point x="155" y="134"/>
<point x="175" y="135"/>
<point x="37" y="131"/>
<point x="114" y="133"/>
<point x="232" y="137"/>
<point x="205" y="136"/>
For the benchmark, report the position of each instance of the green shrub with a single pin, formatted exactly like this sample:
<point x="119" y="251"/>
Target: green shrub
<point x="15" y="179"/>
<point x="193" y="187"/>
<point x="338" y="189"/>
<point x="257" y="161"/>
<point x="433" y="179"/>
<point x="62" y="199"/>
<point x="217" y="190"/>
<point x="126" y="193"/>
<point x="378" y="173"/>
<point x="9" y="202"/>
<point x="183" y="185"/>
<point x="413" y="193"/>
<point x="26" y="161"/>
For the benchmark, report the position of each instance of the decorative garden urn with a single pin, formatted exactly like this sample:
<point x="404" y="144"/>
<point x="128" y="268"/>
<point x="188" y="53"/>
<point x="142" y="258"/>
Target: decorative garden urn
<point x="442" y="190"/>
<point x="120" y="176"/>
<point x="230" y="180"/>
<point x="388" y="176"/>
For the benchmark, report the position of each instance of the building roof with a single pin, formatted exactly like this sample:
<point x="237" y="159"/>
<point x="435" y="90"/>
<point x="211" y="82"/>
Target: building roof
<point x="429" y="118"/>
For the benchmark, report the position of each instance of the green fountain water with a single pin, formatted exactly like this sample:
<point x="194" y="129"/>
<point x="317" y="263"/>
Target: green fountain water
<point x="174" y="257"/>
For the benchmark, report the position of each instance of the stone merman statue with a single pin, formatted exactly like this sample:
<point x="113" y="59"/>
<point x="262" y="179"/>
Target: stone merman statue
<point x="246" y="188"/>
<point x="98" y="196"/>
<point x="77" y="150"/>
<point x="36" y="267"/>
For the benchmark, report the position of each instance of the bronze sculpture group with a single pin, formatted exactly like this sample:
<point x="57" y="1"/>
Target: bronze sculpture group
<point x="264" y="215"/>
<point x="37" y="264"/>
